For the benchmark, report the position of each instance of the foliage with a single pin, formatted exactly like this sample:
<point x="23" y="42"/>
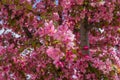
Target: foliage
<point x="48" y="45"/>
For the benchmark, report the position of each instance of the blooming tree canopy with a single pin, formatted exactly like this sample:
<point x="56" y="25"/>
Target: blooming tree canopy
<point x="59" y="39"/>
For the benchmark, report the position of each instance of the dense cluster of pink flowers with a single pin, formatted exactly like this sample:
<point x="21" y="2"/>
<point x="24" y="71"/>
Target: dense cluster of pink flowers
<point x="48" y="46"/>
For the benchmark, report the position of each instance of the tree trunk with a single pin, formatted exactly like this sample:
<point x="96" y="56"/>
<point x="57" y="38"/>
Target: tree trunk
<point x="84" y="40"/>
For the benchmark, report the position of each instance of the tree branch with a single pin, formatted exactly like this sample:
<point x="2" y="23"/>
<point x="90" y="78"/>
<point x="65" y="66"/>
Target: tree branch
<point x="28" y="33"/>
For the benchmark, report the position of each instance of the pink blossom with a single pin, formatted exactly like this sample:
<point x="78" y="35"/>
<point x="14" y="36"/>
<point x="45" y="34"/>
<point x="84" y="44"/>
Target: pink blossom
<point x="85" y="47"/>
<point x="56" y="16"/>
<point x="65" y="35"/>
<point x="49" y="28"/>
<point x="2" y="50"/>
<point x="57" y="52"/>
<point x="80" y="2"/>
<point x="54" y="53"/>
<point x="70" y="56"/>
<point x="58" y="64"/>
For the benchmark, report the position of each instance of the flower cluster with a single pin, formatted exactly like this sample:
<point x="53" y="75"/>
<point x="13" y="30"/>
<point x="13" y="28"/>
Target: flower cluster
<point x="53" y="39"/>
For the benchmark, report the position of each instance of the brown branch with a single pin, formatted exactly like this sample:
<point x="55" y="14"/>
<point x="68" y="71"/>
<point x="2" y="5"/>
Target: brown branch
<point x="60" y="14"/>
<point x="28" y="33"/>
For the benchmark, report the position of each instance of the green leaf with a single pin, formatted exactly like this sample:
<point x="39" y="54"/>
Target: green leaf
<point x="16" y="1"/>
<point x="21" y="49"/>
<point x="29" y="7"/>
<point x="10" y="1"/>
<point x="18" y="7"/>
<point x="105" y="77"/>
<point x="56" y="41"/>
<point x="12" y="22"/>
<point x="4" y="1"/>
<point x="119" y="30"/>
<point x="33" y="43"/>
<point x="74" y="51"/>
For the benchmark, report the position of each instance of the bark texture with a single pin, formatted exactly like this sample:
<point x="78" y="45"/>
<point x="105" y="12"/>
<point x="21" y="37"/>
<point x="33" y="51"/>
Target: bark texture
<point x="84" y="40"/>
